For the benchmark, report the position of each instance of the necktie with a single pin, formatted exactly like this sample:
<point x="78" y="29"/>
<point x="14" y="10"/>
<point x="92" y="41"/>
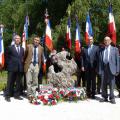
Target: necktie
<point x="18" y="49"/>
<point x="34" y="59"/>
<point x="106" y="56"/>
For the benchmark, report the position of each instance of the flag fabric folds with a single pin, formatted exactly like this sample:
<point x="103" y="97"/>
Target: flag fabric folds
<point x="1" y="48"/>
<point x="68" y="34"/>
<point x="111" y="26"/>
<point x="77" y="39"/>
<point x="44" y="63"/>
<point x="25" y="32"/>
<point x="48" y="37"/>
<point x="88" y="30"/>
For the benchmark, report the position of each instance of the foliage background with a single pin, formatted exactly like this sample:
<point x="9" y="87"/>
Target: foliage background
<point x="13" y="12"/>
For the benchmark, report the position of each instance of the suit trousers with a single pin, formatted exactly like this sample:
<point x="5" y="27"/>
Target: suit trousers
<point x="14" y="81"/>
<point x="108" y="79"/>
<point x="91" y="81"/>
<point x="32" y="79"/>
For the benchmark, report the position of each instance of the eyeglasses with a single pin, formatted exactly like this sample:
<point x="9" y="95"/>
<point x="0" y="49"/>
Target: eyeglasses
<point x="17" y="38"/>
<point x="37" y="39"/>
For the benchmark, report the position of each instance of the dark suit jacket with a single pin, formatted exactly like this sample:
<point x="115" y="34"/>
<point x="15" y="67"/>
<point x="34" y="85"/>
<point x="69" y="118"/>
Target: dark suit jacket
<point x="90" y="61"/>
<point x="113" y="61"/>
<point x="14" y="61"/>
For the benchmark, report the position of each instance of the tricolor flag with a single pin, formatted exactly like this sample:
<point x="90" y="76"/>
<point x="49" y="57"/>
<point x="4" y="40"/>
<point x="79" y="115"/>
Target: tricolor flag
<point x="1" y="47"/>
<point x="77" y="39"/>
<point x="44" y="63"/>
<point x="111" y="26"/>
<point x="68" y="34"/>
<point x="25" y="32"/>
<point x="88" y="30"/>
<point x="48" y="37"/>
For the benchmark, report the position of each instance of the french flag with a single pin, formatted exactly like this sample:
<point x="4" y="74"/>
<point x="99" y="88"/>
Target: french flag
<point x="44" y="63"/>
<point x="68" y="34"/>
<point x="88" y="30"/>
<point x="77" y="39"/>
<point x="25" y="32"/>
<point x="111" y="26"/>
<point x="48" y="37"/>
<point x="1" y="47"/>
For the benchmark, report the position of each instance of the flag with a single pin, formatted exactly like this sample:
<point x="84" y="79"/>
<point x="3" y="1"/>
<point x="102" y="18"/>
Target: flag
<point x="1" y="47"/>
<point x="13" y="38"/>
<point x="48" y="37"/>
<point x="44" y="63"/>
<point x="25" y="32"/>
<point x="68" y="34"/>
<point x="77" y="39"/>
<point x="88" y="30"/>
<point x="111" y="26"/>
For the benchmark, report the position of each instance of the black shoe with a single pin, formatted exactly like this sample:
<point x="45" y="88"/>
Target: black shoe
<point x="104" y="100"/>
<point x="18" y="98"/>
<point x="93" y="97"/>
<point x="119" y="95"/>
<point x="112" y="101"/>
<point x="7" y="99"/>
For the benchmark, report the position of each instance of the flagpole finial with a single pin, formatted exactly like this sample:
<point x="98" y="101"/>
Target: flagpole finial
<point x="1" y="26"/>
<point x="46" y="15"/>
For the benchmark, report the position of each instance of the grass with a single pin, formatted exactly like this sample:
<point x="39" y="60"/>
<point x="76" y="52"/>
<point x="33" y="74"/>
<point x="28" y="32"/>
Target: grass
<point x="3" y="80"/>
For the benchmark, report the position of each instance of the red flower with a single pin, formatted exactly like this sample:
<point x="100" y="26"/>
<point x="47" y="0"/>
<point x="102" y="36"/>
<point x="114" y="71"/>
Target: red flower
<point x="54" y="93"/>
<point x="50" y="96"/>
<point x="74" y="95"/>
<point x="62" y="92"/>
<point x="41" y="97"/>
<point x="53" y="102"/>
<point x="45" y="102"/>
<point x="57" y="97"/>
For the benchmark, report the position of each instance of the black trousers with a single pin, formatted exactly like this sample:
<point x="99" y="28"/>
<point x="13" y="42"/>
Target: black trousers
<point x="117" y="81"/>
<point x="91" y="82"/>
<point x="81" y="80"/>
<point x="13" y="84"/>
<point x="98" y="83"/>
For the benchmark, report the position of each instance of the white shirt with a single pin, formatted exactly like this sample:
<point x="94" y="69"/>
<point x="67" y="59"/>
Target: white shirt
<point x="107" y="48"/>
<point x="17" y="48"/>
<point x="36" y="54"/>
<point x="89" y="49"/>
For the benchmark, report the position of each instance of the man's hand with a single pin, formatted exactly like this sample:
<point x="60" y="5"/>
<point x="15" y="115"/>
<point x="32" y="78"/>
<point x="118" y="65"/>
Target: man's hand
<point x="83" y="69"/>
<point x="117" y="74"/>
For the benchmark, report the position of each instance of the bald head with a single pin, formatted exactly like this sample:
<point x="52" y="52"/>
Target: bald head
<point x="107" y="41"/>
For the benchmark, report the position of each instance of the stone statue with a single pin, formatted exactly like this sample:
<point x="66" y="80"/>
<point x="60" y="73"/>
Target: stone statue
<point x="61" y="71"/>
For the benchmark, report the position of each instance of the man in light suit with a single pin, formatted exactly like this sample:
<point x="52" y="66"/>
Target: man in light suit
<point x="32" y="64"/>
<point x="90" y="65"/>
<point x="108" y="69"/>
<point x="14" y="63"/>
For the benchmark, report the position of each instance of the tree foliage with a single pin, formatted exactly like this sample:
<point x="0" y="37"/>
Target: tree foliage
<point x="13" y="12"/>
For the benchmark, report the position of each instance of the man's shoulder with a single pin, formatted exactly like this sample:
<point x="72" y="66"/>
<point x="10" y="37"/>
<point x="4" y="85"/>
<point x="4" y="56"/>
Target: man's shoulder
<point x="29" y="46"/>
<point x="114" y="48"/>
<point x="40" y="47"/>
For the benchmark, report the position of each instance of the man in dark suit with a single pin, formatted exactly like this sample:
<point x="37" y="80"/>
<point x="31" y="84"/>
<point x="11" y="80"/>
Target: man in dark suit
<point x="89" y="65"/>
<point x="108" y="69"/>
<point x="14" y="62"/>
